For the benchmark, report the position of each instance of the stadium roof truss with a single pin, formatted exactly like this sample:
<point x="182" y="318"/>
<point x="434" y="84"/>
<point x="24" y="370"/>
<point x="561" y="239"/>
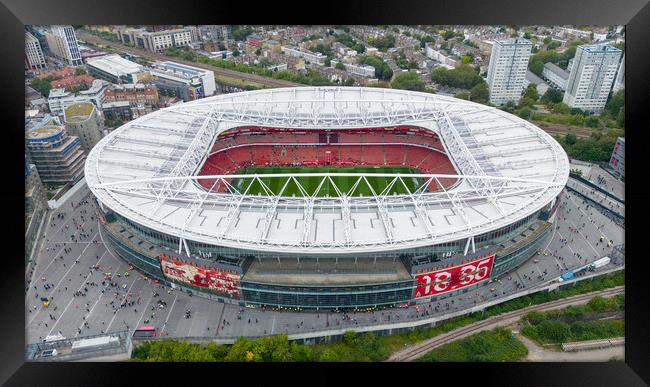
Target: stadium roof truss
<point x="147" y="171"/>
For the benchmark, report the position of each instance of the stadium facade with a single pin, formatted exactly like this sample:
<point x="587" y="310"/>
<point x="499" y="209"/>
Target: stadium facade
<point x="413" y="196"/>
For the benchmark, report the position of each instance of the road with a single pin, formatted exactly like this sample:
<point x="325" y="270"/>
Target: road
<point x="270" y="82"/>
<point x="413" y="352"/>
<point x="539" y="354"/>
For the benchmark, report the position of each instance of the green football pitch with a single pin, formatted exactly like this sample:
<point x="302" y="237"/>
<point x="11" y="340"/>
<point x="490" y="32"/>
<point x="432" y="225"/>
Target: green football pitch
<point x="310" y="184"/>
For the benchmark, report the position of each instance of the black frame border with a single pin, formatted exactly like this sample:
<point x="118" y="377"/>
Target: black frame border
<point x="635" y="14"/>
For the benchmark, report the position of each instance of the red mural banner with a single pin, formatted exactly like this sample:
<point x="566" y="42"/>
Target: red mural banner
<point x="215" y="280"/>
<point x="453" y="278"/>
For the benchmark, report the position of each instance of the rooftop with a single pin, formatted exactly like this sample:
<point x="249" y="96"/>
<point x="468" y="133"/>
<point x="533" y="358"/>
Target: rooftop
<point x="78" y="112"/>
<point x="507" y="169"/>
<point x="599" y="48"/>
<point x="182" y="68"/>
<point x="43" y="132"/>
<point x="557" y="70"/>
<point x="114" y="64"/>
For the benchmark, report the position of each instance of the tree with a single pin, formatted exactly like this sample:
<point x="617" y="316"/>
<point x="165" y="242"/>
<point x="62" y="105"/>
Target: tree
<point x="570" y="138"/>
<point x="235" y="53"/>
<point x="547" y="40"/>
<point x="463" y="95"/>
<point x="553" y="331"/>
<point x="531" y="92"/>
<point x="480" y="93"/>
<point x="43" y="86"/>
<point x="592" y="122"/>
<point x="329" y="355"/>
<point x="258" y="52"/>
<point x="382" y="70"/>
<point x="80" y="71"/>
<point x="620" y="118"/>
<point x="526" y="102"/>
<point x="408" y="81"/>
<point x="301" y="353"/>
<point x="239" y="33"/>
<point x="553" y="45"/>
<point x="552" y="96"/>
<point x="464" y="76"/>
<point x="340" y="66"/>
<point x="616" y="102"/>
<point x="238" y="351"/>
<point x="561" y="108"/>
<point x="527" y="35"/>
<point x="523" y="112"/>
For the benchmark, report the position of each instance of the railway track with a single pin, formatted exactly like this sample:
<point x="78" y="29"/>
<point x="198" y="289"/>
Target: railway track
<point x="503" y="319"/>
<point x="580" y="133"/>
<point x="159" y="57"/>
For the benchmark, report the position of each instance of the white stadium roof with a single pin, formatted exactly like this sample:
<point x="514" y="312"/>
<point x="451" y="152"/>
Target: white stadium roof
<point x="507" y="169"/>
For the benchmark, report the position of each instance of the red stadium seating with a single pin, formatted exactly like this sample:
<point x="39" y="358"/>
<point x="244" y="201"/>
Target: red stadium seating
<point x="398" y="146"/>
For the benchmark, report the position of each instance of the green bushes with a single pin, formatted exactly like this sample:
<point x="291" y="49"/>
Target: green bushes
<point x="557" y="332"/>
<point x="597" y="148"/>
<point x="565" y="325"/>
<point x="382" y="70"/>
<point x="497" y="345"/>
<point x="408" y="81"/>
<point x="464" y="76"/>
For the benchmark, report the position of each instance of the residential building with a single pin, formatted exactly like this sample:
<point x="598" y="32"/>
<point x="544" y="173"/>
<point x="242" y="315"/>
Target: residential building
<point x="60" y="98"/>
<point x="117" y="111"/>
<point x="62" y="73"/>
<point x="274" y="46"/>
<point x="555" y="75"/>
<point x="58" y="157"/>
<point x="114" y="68"/>
<point x="362" y="70"/>
<point x="159" y="40"/>
<point x="308" y="56"/>
<point x="439" y="56"/>
<point x="278" y="67"/>
<point x="34" y="58"/>
<point x="39" y="33"/>
<point x="617" y="161"/>
<point x="619" y="83"/>
<point x="215" y="32"/>
<point x="63" y="45"/>
<point x="255" y="40"/>
<point x="592" y="76"/>
<point x="68" y="82"/>
<point x="136" y="95"/>
<point x="83" y="120"/>
<point x="507" y="70"/>
<point x="198" y="82"/>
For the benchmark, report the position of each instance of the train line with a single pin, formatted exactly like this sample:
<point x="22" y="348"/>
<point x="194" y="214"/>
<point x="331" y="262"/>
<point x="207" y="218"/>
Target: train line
<point x="503" y="319"/>
<point x="160" y="57"/>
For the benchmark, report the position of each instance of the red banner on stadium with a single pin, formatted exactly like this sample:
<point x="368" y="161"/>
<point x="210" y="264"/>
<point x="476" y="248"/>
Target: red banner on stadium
<point x="453" y="278"/>
<point x="215" y="280"/>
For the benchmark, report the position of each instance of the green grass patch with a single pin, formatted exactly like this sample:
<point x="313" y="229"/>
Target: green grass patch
<point x="576" y="323"/>
<point x="310" y="184"/>
<point x="497" y="345"/>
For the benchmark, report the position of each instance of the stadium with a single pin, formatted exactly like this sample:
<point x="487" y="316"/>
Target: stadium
<point x="326" y="197"/>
